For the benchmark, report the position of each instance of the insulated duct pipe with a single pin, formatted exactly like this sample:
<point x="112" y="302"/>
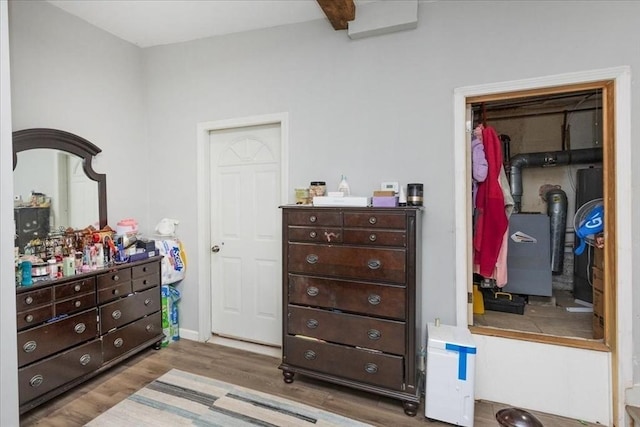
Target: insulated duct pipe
<point x="554" y="158"/>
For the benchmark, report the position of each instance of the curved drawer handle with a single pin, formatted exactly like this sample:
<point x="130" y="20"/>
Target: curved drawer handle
<point x="374" y="334"/>
<point x="373" y="220"/>
<point x="371" y="368"/>
<point x="374" y="264"/>
<point x="313" y="234"/>
<point x="373" y="237"/>
<point x="36" y="380"/>
<point x="312" y="323"/>
<point x="313" y="218"/>
<point x="77" y="303"/>
<point x="115" y="278"/>
<point x="310" y="355"/>
<point x="118" y="342"/>
<point x="80" y="328"/>
<point x="85" y="359"/>
<point x="312" y="258"/>
<point x="149" y="328"/>
<point x="28" y="300"/>
<point x="374" y="299"/>
<point x="77" y="287"/>
<point x="148" y="301"/>
<point x="312" y="291"/>
<point x="29" y="318"/>
<point x="29" y="346"/>
<point x="116" y="314"/>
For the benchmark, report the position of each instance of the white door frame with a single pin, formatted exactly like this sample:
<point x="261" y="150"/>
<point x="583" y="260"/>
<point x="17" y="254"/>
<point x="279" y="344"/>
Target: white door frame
<point x="204" y="205"/>
<point x="622" y="78"/>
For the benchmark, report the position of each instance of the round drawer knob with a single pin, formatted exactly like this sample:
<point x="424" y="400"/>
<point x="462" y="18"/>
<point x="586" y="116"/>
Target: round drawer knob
<point x="374" y="334"/>
<point x="313" y="218"/>
<point x="373" y="237"/>
<point x="116" y="278"/>
<point x="77" y="288"/>
<point x="85" y="359"/>
<point x="313" y="234"/>
<point x="77" y="303"/>
<point x="149" y="328"/>
<point x="312" y="258"/>
<point x="29" y="318"/>
<point x="373" y="220"/>
<point x="371" y="368"/>
<point x="36" y="380"/>
<point x="144" y="269"/>
<point x="310" y="355"/>
<point x="312" y="323"/>
<point x="30" y="346"/>
<point x="374" y="264"/>
<point x="374" y="299"/>
<point x="118" y="342"/>
<point x="312" y="291"/>
<point x="28" y="300"/>
<point x="116" y="314"/>
<point x="148" y="301"/>
<point x="116" y="292"/>
<point x="80" y="328"/>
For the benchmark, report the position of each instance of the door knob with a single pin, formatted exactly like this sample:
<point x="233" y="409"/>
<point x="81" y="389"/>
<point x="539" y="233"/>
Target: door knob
<point x="215" y="248"/>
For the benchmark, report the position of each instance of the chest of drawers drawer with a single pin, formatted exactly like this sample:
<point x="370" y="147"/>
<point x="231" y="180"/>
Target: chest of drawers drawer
<point x="360" y="331"/>
<point x="114" y="284"/>
<point x="42" y="377"/>
<point x="315" y="234"/>
<point x="349" y="262"/>
<point x="140" y="283"/>
<point x="375" y="219"/>
<point x="125" y="310"/>
<point x="356" y="236"/>
<point x="44" y="340"/>
<point x="32" y="299"/>
<point x="315" y="217"/>
<point x="36" y="316"/>
<point x="75" y="304"/>
<point x="123" y="340"/>
<point x="75" y="288"/>
<point x="379" y="369"/>
<point x="352" y="296"/>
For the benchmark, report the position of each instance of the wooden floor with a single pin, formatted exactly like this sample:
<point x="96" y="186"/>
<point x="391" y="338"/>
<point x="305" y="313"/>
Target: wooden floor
<point x="246" y="369"/>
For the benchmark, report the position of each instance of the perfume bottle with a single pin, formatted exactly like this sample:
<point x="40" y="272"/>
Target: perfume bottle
<point x="343" y="187"/>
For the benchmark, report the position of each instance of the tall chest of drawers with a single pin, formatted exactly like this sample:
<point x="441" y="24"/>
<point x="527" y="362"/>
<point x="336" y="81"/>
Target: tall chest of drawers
<point x="71" y="329"/>
<point x="351" y="292"/>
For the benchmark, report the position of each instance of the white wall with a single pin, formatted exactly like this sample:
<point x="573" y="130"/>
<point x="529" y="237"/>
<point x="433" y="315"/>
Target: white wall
<point x="376" y="109"/>
<point x="8" y="351"/>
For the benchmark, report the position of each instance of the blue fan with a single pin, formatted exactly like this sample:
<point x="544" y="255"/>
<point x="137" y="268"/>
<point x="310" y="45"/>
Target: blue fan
<point x="588" y="222"/>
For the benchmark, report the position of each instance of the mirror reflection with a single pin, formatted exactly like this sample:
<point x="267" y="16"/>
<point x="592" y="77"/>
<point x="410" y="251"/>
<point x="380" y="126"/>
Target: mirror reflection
<point x="52" y="186"/>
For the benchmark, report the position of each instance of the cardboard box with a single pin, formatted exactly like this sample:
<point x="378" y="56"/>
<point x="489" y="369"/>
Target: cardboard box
<point x="598" y="279"/>
<point x="598" y="327"/>
<point x="598" y="258"/>
<point x="384" y="193"/>
<point x="385" y="202"/>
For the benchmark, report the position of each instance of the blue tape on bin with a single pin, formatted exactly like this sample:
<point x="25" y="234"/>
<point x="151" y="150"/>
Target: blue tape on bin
<point x="462" y="358"/>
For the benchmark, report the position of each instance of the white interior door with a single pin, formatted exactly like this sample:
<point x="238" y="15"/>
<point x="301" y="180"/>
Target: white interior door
<point x="246" y="233"/>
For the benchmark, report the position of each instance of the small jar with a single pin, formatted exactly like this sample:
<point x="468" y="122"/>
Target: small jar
<point x="317" y="188"/>
<point x="414" y="194"/>
<point x="302" y="196"/>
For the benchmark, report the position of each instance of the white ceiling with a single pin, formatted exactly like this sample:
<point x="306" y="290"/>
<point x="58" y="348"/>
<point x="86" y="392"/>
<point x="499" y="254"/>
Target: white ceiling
<point x="148" y="23"/>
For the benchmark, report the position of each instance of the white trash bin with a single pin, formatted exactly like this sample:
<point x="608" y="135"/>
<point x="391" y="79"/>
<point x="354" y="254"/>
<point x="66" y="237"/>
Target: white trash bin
<point x="451" y="354"/>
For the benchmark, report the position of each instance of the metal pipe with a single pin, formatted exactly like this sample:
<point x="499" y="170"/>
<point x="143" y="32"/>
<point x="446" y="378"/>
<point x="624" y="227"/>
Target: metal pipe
<point x="553" y="158"/>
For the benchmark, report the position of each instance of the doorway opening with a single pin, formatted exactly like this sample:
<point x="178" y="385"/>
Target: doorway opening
<point x="553" y="144"/>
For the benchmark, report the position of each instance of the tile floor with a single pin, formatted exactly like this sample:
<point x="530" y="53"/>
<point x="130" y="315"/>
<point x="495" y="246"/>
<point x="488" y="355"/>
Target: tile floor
<point x="546" y="315"/>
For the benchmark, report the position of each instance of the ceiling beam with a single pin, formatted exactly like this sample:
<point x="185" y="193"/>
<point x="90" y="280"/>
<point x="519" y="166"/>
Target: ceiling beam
<point x="339" y="12"/>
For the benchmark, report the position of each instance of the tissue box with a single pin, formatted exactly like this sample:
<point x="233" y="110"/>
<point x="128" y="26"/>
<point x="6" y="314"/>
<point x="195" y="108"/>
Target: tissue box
<point x="385" y="201"/>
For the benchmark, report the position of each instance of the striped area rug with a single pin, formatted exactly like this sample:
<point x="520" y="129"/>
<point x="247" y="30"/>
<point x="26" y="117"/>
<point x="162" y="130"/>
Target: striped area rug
<point x="179" y="398"/>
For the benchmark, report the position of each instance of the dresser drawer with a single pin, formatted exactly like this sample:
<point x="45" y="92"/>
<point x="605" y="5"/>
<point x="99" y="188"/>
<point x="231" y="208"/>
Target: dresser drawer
<point x="36" y="316"/>
<point x="75" y="304"/>
<point x="77" y="287"/>
<point x="315" y="234"/>
<point x="32" y="299"/>
<point x="122" y="340"/>
<point x="45" y="340"/>
<point x="114" y="278"/>
<point x="357" y="297"/>
<point x="375" y="220"/>
<point x="349" y="262"/>
<point x="128" y="309"/>
<point x="145" y="282"/>
<point x="369" y="367"/>
<point x="375" y="237"/>
<point x="360" y="331"/>
<point x="144" y="270"/>
<point x="316" y="217"/>
<point x="42" y="377"/>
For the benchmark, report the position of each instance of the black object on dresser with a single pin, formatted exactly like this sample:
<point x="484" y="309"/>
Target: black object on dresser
<point x="71" y="329"/>
<point x="351" y="295"/>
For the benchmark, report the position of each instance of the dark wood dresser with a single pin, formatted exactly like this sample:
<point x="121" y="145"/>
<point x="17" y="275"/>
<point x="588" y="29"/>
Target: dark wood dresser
<point x="71" y="329"/>
<point x="351" y="294"/>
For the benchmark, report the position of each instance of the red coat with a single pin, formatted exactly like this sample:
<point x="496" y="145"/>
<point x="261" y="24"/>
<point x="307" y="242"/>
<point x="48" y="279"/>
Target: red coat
<point x="491" y="218"/>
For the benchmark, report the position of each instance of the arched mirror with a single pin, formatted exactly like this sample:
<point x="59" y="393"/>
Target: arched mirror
<point x="55" y="185"/>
